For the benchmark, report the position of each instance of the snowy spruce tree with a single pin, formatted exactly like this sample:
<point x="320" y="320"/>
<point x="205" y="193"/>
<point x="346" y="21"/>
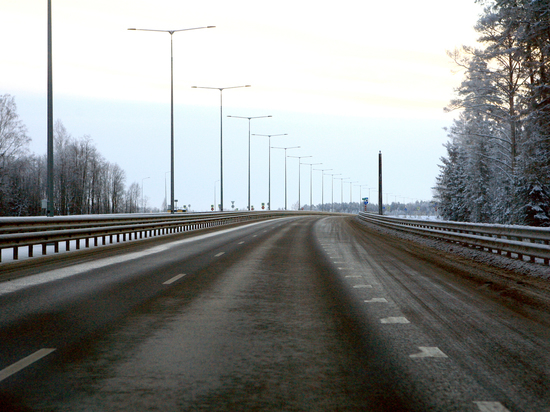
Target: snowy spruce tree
<point x="503" y="127"/>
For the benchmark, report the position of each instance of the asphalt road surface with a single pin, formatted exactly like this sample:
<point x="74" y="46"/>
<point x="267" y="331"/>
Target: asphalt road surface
<point x="293" y="314"/>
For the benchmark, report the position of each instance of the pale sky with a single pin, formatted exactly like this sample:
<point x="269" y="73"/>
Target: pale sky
<point x="344" y="80"/>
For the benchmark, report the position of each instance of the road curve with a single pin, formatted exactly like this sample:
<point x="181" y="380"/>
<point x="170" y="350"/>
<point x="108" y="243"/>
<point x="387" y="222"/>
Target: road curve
<point x="309" y="313"/>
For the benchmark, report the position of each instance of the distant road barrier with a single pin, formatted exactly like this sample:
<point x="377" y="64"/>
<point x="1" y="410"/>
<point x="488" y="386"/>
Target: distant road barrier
<point x="532" y="242"/>
<point x="16" y="233"/>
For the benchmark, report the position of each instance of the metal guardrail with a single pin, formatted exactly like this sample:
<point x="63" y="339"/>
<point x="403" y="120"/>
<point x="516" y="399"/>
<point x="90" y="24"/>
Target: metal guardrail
<point x="16" y="233"/>
<point x="532" y="242"/>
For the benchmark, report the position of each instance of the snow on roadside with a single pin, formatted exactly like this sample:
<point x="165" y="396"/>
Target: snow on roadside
<point x="538" y="270"/>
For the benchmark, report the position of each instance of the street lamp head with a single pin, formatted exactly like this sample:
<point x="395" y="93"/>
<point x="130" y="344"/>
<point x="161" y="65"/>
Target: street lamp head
<point x="269" y="135"/>
<point x="249" y="118"/>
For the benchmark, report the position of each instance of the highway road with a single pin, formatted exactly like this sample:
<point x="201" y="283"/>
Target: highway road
<point x="305" y="313"/>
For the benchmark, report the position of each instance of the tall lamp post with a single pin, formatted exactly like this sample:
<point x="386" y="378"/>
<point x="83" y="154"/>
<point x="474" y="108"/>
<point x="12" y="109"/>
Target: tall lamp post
<point x="49" y="161"/>
<point x="299" y="180"/>
<point x="269" y="136"/>
<point x="322" y="187"/>
<point x="249" y="118"/>
<point x="285" y="149"/>
<point x="221" y="89"/>
<point x="172" y="103"/>
<point x="311" y="183"/>
<point x="342" y="191"/>
<point x="333" y="174"/>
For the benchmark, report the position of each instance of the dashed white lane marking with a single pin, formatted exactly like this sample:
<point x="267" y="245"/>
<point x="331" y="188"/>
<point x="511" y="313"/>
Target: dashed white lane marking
<point x="353" y="276"/>
<point x="394" y="320"/>
<point x="491" y="407"/>
<point x="56" y="274"/>
<point x="219" y="254"/>
<point x="362" y="286"/>
<point x="23" y="363"/>
<point x="169" y="281"/>
<point x="428" y="352"/>
<point x="255" y="236"/>
<point x="240" y="243"/>
<point x="376" y="300"/>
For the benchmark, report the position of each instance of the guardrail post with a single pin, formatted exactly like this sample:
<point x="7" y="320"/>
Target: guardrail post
<point x="67" y="245"/>
<point x="31" y="250"/>
<point x="15" y="253"/>
<point x="44" y="248"/>
<point x="56" y="247"/>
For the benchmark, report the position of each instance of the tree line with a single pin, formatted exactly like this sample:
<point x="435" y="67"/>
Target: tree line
<point x="497" y="167"/>
<point x="84" y="181"/>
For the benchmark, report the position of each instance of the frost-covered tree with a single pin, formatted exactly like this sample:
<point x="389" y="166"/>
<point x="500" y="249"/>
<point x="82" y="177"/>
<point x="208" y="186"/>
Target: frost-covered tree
<point x="13" y="133"/>
<point x="503" y="133"/>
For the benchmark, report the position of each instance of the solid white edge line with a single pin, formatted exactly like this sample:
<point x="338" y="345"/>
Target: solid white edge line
<point x="169" y="281"/>
<point x="56" y="274"/>
<point x="23" y="363"/>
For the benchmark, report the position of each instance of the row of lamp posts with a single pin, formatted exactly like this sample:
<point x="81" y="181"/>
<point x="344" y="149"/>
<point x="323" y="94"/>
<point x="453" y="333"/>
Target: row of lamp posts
<point x="50" y="208"/>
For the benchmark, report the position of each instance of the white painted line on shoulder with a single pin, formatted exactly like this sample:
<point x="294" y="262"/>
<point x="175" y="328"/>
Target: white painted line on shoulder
<point x="353" y="276"/>
<point x="240" y="243"/>
<point x="376" y="300"/>
<point x="23" y="363"/>
<point x="178" y="277"/>
<point x="491" y="407"/>
<point x="429" y="352"/>
<point x="397" y="319"/>
<point x="219" y="254"/>
<point x="44" y="277"/>
<point x="362" y="286"/>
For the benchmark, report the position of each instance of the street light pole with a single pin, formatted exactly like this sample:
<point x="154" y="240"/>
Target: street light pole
<point x="299" y="181"/>
<point x="311" y="183"/>
<point x="215" y="205"/>
<point x="50" y="203"/>
<point x="285" y="149"/>
<point x="269" y="136"/>
<point x="249" y="118"/>
<point x="172" y="102"/>
<point x="342" y="191"/>
<point x="221" y="89"/>
<point x="333" y="174"/>
<point x="323" y="187"/>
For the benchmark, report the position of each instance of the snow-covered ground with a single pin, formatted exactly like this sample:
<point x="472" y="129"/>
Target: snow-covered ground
<point x="536" y="269"/>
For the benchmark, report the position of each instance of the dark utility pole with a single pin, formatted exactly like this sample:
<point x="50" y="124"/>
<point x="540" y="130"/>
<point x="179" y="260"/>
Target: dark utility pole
<point x="49" y="194"/>
<point x="380" y="210"/>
